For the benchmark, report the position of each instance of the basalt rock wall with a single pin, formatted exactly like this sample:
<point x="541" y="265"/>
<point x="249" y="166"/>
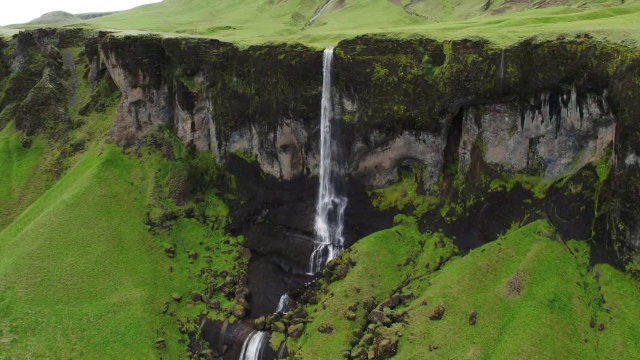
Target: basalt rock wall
<point x="544" y="109"/>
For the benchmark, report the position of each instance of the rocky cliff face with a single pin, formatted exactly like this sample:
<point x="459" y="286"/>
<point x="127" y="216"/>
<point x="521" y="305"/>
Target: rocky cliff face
<point x="540" y="109"/>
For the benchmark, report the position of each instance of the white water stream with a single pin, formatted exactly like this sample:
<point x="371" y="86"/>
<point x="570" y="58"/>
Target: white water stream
<point x="253" y="346"/>
<point x="319" y="12"/>
<point x="329" y="222"/>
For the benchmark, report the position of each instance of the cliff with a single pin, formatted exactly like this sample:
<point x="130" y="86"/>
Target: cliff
<point x="544" y="109"/>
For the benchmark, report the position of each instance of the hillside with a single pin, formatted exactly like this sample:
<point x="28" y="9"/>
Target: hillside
<point x="504" y="22"/>
<point x="531" y="293"/>
<point x="54" y="18"/>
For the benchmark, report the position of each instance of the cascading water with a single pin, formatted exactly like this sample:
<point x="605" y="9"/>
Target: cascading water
<point x="501" y="68"/>
<point x="283" y="304"/>
<point x="319" y="12"/>
<point x="329" y="221"/>
<point x="254" y="345"/>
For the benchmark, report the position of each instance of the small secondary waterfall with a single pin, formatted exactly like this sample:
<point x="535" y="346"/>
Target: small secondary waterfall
<point x="329" y="221"/>
<point x="501" y="68"/>
<point x="254" y="345"/>
<point x="319" y="12"/>
<point x="283" y="304"/>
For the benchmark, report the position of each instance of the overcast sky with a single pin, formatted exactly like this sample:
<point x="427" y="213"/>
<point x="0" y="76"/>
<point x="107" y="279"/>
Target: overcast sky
<point x="21" y="11"/>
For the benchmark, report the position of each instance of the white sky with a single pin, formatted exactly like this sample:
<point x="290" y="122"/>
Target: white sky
<point x="21" y="11"/>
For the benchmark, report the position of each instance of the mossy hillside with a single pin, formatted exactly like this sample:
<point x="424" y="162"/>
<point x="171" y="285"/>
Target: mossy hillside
<point x="619" y="291"/>
<point x="94" y="286"/>
<point x="103" y="285"/>
<point x="31" y="164"/>
<point x="420" y="83"/>
<point x="380" y="264"/>
<point x="404" y="196"/>
<point x="22" y="180"/>
<point x="533" y="295"/>
<point x="503" y="22"/>
<point x="131" y="279"/>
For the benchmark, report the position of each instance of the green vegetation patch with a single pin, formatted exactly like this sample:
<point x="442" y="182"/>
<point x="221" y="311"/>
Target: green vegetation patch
<point x="405" y="197"/>
<point x="21" y="181"/>
<point x="532" y="295"/>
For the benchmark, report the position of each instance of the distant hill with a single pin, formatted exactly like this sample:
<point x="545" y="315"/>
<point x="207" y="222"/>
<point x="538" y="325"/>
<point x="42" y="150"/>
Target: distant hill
<point x="53" y="18"/>
<point x="324" y="22"/>
<point x="93" y="15"/>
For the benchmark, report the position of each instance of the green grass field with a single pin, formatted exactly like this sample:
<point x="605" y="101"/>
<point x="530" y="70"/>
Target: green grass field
<point x="21" y="181"/>
<point x="503" y="22"/>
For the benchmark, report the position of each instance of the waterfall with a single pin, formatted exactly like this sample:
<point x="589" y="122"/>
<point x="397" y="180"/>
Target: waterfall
<point x="329" y="221"/>
<point x="283" y="304"/>
<point x="501" y="68"/>
<point x="319" y="12"/>
<point x="253" y="346"/>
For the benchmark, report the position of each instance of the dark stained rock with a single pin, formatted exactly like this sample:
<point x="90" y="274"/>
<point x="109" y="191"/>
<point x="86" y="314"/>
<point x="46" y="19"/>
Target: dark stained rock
<point x="437" y="313"/>
<point x="325" y="328"/>
<point x="369" y="304"/>
<point x="295" y="331"/>
<point x="473" y="317"/>
<point x="385" y="348"/>
<point x="351" y="316"/>
<point x="376" y="316"/>
<point x="359" y="353"/>
<point x="392" y="302"/>
<point x="214" y="304"/>
<point x="515" y="284"/>
<point x="170" y="250"/>
<point x="239" y="311"/>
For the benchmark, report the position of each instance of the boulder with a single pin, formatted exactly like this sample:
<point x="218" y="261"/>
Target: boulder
<point x="473" y="317"/>
<point x="437" y="313"/>
<point x="295" y="331"/>
<point x="325" y="329"/>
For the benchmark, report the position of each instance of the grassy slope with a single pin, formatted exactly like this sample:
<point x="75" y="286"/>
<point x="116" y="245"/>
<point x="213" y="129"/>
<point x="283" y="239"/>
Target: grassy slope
<point x="78" y="271"/>
<point x="549" y="318"/>
<point x="250" y="22"/>
<point x="81" y="275"/>
<point x="620" y="340"/>
<point x="21" y="181"/>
